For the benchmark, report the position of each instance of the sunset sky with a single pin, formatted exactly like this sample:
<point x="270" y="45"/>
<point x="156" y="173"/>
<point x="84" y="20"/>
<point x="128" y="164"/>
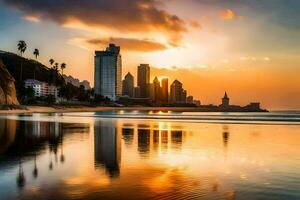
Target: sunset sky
<point x="250" y="48"/>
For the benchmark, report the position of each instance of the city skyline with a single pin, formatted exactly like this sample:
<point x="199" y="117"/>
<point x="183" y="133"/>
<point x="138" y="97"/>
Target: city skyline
<point x="213" y="43"/>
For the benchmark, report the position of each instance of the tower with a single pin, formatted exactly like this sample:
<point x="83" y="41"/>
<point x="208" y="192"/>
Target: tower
<point x="225" y="100"/>
<point x="128" y="85"/>
<point x="108" y="72"/>
<point x="143" y="80"/>
<point x="165" y="90"/>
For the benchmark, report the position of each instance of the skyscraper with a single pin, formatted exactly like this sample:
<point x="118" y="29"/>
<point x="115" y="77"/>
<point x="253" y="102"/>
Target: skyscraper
<point x="144" y="80"/>
<point x="128" y="85"/>
<point x="156" y="91"/>
<point x="108" y="72"/>
<point x="177" y="94"/>
<point x="164" y="90"/>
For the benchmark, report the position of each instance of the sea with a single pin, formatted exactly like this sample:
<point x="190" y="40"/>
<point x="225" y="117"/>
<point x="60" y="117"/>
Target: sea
<point x="150" y="155"/>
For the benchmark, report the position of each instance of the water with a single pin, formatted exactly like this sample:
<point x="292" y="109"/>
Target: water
<point x="150" y="155"/>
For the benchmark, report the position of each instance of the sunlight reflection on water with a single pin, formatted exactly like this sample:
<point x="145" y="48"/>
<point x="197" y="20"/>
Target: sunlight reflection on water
<point x="80" y="156"/>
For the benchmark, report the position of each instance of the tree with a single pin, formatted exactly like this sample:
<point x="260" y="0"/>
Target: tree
<point x="36" y="53"/>
<point x="22" y="46"/>
<point x="62" y="67"/>
<point x="55" y="67"/>
<point x="51" y="61"/>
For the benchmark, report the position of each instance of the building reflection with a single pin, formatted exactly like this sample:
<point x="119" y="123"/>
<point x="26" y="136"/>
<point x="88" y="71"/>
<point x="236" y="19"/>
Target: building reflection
<point x="107" y="147"/>
<point x="225" y="136"/>
<point x="128" y="134"/>
<point x="144" y="141"/>
<point x="164" y="140"/>
<point x="155" y="140"/>
<point x="176" y="139"/>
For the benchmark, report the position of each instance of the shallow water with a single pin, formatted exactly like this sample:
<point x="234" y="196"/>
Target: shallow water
<point x="141" y="155"/>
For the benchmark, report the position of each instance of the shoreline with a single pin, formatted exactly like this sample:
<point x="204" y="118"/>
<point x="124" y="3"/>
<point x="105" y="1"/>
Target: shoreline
<point x="62" y="109"/>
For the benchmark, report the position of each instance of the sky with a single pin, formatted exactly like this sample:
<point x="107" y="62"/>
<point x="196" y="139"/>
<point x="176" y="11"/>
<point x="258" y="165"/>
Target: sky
<point x="249" y="48"/>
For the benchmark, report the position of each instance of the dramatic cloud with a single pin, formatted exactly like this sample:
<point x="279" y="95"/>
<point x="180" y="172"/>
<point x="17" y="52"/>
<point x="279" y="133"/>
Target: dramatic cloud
<point x="127" y="44"/>
<point x="125" y="15"/>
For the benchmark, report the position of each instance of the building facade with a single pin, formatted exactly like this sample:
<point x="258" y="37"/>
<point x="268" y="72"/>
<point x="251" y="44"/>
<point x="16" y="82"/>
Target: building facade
<point x="155" y="91"/>
<point x="41" y="89"/>
<point x="143" y="80"/>
<point x="165" y="90"/>
<point x="128" y="85"/>
<point x="108" y="72"/>
<point x="177" y="93"/>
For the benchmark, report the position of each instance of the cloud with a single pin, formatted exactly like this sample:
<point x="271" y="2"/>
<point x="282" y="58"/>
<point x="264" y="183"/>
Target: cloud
<point x="227" y="14"/>
<point x="31" y="18"/>
<point x="125" y="16"/>
<point x="194" y="24"/>
<point x="127" y="44"/>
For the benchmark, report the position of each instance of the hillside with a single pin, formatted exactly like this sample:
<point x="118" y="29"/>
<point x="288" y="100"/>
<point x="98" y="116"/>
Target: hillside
<point x="42" y="73"/>
<point x="8" y="94"/>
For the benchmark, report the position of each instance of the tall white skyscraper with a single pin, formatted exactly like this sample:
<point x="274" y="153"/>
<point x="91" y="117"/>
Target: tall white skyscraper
<point x="108" y="72"/>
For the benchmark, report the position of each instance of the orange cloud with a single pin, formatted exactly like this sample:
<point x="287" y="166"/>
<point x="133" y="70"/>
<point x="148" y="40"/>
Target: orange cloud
<point x="194" y="24"/>
<point x="227" y="14"/>
<point x="127" y="44"/>
<point x="126" y="16"/>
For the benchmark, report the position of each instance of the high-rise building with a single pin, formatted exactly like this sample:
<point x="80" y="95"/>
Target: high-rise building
<point x="128" y="85"/>
<point x="156" y="91"/>
<point x="183" y="96"/>
<point x="137" y="92"/>
<point x="177" y="94"/>
<point x="165" y="90"/>
<point x="190" y="99"/>
<point x="143" y="80"/>
<point x="108" y="72"/>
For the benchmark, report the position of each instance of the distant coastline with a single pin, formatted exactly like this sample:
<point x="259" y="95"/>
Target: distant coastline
<point x="66" y="108"/>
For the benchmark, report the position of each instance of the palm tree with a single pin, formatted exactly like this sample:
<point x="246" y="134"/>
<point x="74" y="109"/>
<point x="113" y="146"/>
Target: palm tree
<point x="62" y="67"/>
<point x="55" y="67"/>
<point x="36" y="53"/>
<point x="51" y="61"/>
<point x="22" y="46"/>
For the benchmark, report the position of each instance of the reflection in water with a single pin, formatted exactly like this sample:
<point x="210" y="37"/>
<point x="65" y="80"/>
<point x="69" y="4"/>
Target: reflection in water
<point x="155" y="140"/>
<point x="160" y="160"/>
<point x="128" y="135"/>
<point x="225" y="136"/>
<point x="35" y="170"/>
<point x="21" y="176"/>
<point x="176" y="139"/>
<point x="143" y="141"/>
<point x="23" y="140"/>
<point x="107" y="147"/>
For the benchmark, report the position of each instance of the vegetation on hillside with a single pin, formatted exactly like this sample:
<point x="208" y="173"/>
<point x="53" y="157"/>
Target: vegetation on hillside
<point x="22" y="68"/>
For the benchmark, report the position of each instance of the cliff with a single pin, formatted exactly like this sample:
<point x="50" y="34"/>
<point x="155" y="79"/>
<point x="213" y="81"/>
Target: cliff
<point x="8" y="94"/>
